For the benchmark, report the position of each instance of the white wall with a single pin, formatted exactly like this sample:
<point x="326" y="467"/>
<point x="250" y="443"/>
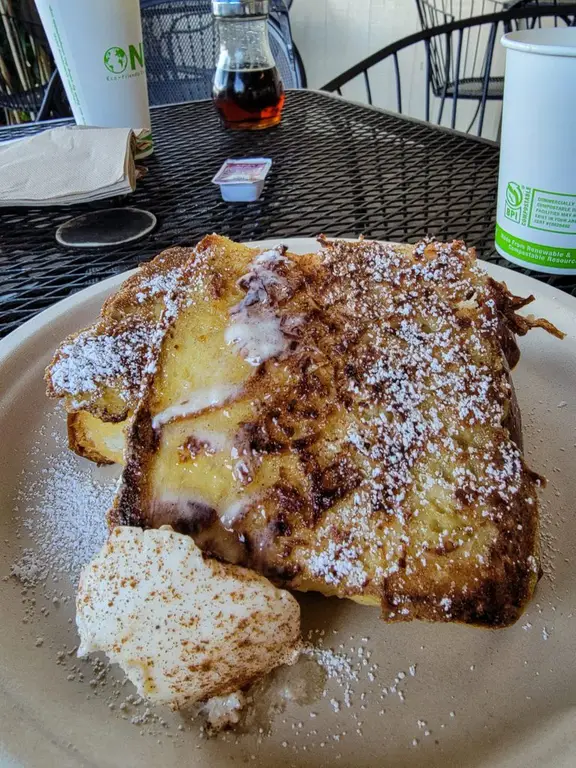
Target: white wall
<point x="332" y="35"/>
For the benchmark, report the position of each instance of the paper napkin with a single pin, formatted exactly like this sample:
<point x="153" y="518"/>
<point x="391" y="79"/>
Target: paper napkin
<point x="67" y="165"/>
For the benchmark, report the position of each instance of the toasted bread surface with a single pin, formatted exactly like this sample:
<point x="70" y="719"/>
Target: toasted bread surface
<point x="343" y="422"/>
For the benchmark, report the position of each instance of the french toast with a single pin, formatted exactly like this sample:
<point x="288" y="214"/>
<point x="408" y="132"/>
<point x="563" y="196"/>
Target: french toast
<point x="343" y="422"/>
<point x="98" y="371"/>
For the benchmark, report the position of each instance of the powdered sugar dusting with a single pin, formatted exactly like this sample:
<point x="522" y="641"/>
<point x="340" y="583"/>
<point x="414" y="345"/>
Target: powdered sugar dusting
<point x="339" y="563"/>
<point x="426" y="351"/>
<point x="89" y="361"/>
<point x="432" y="389"/>
<point x="120" y="351"/>
<point x="61" y="509"/>
<point x="160" y="283"/>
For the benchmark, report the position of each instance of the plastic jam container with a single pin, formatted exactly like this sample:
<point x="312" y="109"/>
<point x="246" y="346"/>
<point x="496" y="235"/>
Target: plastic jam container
<point x="242" y="180"/>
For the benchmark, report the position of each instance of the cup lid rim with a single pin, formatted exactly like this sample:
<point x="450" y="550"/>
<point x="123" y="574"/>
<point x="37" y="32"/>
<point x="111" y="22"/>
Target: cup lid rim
<point x="544" y="41"/>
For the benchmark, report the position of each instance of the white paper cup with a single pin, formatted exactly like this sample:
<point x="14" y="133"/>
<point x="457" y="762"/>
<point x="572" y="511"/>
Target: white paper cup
<point x="97" y="46"/>
<point x="536" y="220"/>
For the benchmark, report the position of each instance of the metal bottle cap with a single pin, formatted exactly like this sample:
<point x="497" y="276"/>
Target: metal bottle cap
<point x="240" y="8"/>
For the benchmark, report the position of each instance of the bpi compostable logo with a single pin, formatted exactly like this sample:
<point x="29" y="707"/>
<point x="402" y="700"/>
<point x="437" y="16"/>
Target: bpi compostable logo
<point x="514" y="200"/>
<point x="117" y="61"/>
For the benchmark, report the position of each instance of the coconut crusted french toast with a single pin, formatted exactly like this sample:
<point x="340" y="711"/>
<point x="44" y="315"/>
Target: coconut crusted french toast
<point x="342" y="422"/>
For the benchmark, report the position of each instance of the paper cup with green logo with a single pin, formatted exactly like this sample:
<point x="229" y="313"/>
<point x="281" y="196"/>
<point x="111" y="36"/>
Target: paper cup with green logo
<point x="97" y="46"/>
<point x="536" y="220"/>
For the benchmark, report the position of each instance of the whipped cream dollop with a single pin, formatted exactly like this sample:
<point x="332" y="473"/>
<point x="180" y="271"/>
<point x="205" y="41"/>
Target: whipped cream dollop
<point x="183" y="627"/>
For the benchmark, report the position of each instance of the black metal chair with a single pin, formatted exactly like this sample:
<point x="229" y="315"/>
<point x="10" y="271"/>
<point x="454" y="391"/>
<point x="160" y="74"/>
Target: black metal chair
<point x="181" y="48"/>
<point x="539" y="3"/>
<point x="477" y="45"/>
<point x="30" y="88"/>
<point x="386" y="64"/>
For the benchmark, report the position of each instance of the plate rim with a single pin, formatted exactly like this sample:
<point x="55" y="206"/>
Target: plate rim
<point x="49" y="315"/>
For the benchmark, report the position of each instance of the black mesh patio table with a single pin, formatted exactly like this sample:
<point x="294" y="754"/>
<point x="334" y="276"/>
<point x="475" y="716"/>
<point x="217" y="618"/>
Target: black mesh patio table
<point x="339" y="168"/>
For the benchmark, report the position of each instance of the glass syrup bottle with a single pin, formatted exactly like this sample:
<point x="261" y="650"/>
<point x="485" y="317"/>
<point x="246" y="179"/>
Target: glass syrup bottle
<point x="248" y="91"/>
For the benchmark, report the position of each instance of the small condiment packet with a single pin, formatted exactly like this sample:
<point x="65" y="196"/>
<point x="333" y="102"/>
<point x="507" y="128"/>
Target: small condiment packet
<point x="242" y="180"/>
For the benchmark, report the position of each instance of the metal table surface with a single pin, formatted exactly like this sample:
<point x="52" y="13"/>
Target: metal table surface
<point x="339" y="168"/>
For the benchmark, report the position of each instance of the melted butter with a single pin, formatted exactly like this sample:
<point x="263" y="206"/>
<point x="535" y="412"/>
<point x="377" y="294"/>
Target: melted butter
<point x="213" y="442"/>
<point x="255" y="328"/>
<point x="257" y="337"/>
<point x="196" y="402"/>
<point x="233" y="512"/>
<point x="115" y="441"/>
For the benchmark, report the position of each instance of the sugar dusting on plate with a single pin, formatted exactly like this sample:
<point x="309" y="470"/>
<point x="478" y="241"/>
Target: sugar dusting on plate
<point x="59" y="511"/>
<point x="60" y="515"/>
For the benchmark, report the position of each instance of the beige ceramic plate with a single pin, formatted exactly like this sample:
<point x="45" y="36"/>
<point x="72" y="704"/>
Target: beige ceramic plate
<point x="419" y="695"/>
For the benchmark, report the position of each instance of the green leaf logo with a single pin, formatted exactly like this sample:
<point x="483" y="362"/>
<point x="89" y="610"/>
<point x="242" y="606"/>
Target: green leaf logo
<point x="115" y="60"/>
<point x="514" y="195"/>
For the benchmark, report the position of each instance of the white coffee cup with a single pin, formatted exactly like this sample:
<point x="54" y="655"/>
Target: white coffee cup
<point x="536" y="220"/>
<point x="97" y="46"/>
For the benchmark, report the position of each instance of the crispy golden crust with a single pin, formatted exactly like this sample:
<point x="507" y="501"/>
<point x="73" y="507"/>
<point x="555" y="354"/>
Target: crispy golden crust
<point x="374" y="454"/>
<point x="99" y="441"/>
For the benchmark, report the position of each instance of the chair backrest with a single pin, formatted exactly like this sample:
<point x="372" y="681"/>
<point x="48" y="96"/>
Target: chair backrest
<point x="433" y="13"/>
<point x="181" y="46"/>
<point x="399" y="75"/>
<point x="477" y="42"/>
